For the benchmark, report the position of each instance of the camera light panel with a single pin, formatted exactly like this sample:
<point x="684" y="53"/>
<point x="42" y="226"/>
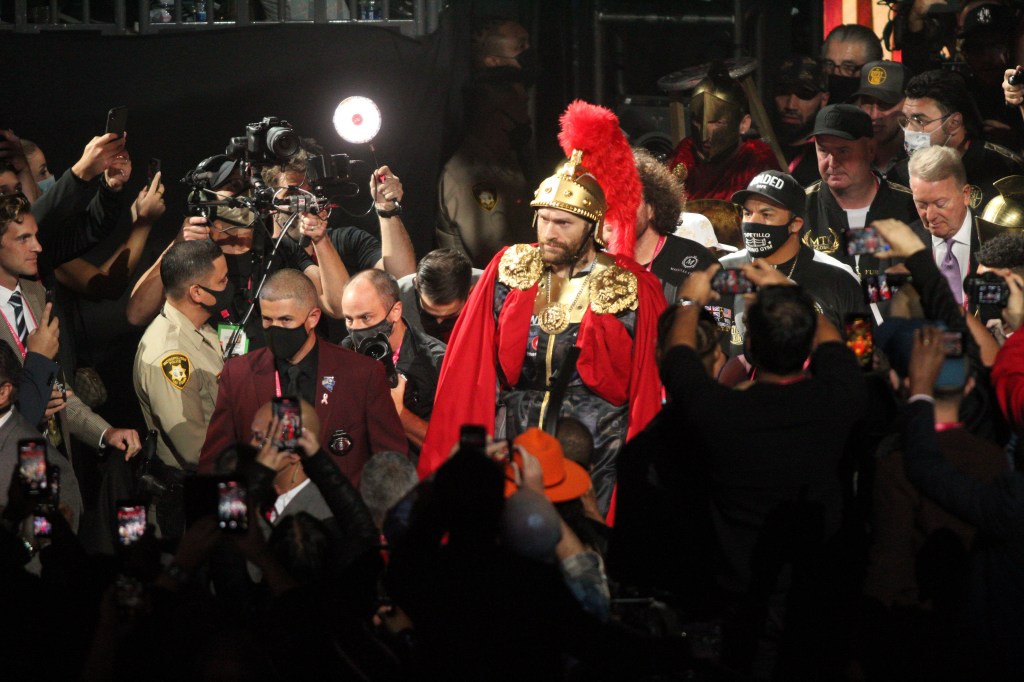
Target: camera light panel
<point x="357" y="119"/>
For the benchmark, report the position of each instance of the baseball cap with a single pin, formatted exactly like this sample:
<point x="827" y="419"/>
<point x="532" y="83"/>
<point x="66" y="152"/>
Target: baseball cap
<point x="884" y="80"/>
<point x="220" y="167"/>
<point x="802" y="75"/>
<point x="988" y="16"/>
<point x="842" y="120"/>
<point x="781" y="188"/>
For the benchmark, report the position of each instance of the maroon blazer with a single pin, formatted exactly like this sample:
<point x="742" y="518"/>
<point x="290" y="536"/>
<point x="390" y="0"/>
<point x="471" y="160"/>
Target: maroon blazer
<point x="357" y="401"/>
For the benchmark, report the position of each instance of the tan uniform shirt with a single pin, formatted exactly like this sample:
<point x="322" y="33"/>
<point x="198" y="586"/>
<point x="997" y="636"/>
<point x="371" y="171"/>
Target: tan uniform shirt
<point x="176" y="372"/>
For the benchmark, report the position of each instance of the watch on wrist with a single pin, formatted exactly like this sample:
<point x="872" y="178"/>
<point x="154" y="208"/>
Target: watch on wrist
<point x="686" y="302"/>
<point x="397" y="210"/>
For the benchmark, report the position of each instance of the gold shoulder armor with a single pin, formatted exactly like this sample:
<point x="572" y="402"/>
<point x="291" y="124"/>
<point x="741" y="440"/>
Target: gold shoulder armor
<point x="520" y="267"/>
<point x="613" y="290"/>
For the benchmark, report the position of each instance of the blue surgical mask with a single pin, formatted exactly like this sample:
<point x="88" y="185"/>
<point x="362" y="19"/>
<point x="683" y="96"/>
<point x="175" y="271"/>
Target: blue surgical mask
<point x="46" y="184"/>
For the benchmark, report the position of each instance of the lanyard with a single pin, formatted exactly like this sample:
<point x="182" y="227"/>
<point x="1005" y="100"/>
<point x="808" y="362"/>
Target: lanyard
<point x="796" y="161"/>
<point x="277" y="383"/>
<point x="657" y="250"/>
<point x="948" y="426"/>
<point x="14" y="332"/>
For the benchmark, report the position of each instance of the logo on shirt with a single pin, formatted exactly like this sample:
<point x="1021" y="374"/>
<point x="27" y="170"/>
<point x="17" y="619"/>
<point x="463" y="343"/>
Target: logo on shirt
<point x="486" y="195"/>
<point x="340" y="443"/>
<point x="826" y="243"/>
<point x="690" y="262"/>
<point x="328" y="383"/>
<point x="176" y="369"/>
<point x="976" y="196"/>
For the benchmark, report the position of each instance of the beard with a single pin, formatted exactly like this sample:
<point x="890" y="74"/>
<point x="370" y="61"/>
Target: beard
<point x="792" y="133"/>
<point x="565" y="253"/>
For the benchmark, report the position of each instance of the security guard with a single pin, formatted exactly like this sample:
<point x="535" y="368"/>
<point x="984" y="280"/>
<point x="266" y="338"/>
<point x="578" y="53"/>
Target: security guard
<point x="180" y="357"/>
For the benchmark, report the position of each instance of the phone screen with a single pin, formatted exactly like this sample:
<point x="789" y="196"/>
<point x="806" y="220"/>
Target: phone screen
<point x="131" y="523"/>
<point x="864" y="241"/>
<point x="232" y="511"/>
<point x="953" y="344"/>
<point x="860" y="339"/>
<point x="732" y="281"/>
<point x="882" y="287"/>
<point x="289" y="411"/>
<point x="32" y="465"/>
<point x="41" y="526"/>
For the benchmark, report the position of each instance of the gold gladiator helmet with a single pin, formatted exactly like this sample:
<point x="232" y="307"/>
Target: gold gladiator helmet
<point x="717" y="97"/>
<point x="1005" y="212"/>
<point x="573" y="189"/>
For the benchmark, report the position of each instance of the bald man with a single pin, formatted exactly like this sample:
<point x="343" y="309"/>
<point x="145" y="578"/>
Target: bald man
<point x="348" y="391"/>
<point x="372" y="308"/>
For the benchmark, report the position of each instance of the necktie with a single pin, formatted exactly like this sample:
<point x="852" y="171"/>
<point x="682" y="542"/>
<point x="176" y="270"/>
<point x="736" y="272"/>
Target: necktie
<point x="950" y="269"/>
<point x="19" y="316"/>
<point x="294" y="377"/>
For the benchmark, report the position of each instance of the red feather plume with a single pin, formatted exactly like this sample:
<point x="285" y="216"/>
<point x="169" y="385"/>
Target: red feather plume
<point x="608" y="157"/>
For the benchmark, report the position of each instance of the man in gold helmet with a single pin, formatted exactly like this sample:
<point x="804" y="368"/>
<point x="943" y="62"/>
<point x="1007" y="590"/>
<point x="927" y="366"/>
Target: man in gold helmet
<point x="714" y="161"/>
<point x="560" y="328"/>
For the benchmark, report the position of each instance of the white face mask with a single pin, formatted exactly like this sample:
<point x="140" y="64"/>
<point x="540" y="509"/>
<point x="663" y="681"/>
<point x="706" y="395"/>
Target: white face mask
<point x="916" y="140"/>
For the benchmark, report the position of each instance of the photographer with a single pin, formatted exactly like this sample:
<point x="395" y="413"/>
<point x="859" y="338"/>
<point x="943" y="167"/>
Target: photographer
<point x="373" y="313"/>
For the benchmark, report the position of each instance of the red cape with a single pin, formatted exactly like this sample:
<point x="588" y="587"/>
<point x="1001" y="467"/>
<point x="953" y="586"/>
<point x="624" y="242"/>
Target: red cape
<point x="720" y="180"/>
<point x="467" y="389"/>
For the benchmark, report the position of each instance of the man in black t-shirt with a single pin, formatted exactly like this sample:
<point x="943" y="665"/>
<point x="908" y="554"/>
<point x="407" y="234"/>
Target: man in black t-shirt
<point x="773" y="217"/>
<point x="669" y="257"/>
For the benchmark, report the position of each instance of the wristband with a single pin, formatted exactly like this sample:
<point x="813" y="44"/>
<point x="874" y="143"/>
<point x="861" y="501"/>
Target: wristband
<point x="397" y="210"/>
<point x="686" y="302"/>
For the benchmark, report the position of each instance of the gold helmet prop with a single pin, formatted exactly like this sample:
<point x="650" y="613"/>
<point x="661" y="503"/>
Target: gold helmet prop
<point x="573" y="189"/>
<point x="717" y="98"/>
<point x="1005" y="212"/>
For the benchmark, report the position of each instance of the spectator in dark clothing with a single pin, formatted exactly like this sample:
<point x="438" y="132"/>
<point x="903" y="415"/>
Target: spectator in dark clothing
<point x="771" y="453"/>
<point x="996" y="594"/>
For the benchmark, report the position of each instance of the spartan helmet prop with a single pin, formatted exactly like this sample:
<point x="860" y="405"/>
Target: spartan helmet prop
<point x="1004" y="213"/>
<point x="575" y="190"/>
<point x="716" y="109"/>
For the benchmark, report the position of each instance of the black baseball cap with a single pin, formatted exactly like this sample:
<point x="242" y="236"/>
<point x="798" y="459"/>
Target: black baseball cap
<point x="803" y="75"/>
<point x="776" y="186"/>
<point x="988" y="16"/>
<point x="842" y="120"/>
<point x="220" y="167"/>
<point x="883" y="80"/>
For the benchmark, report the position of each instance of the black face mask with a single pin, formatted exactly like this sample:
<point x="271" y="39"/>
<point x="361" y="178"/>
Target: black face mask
<point x="221" y="308"/>
<point x="841" y="88"/>
<point x="764" y="240"/>
<point x="527" y="60"/>
<point x="383" y="327"/>
<point x="283" y="342"/>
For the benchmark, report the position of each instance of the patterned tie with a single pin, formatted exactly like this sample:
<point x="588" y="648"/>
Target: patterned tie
<point x="950" y="269"/>
<point x="19" y="316"/>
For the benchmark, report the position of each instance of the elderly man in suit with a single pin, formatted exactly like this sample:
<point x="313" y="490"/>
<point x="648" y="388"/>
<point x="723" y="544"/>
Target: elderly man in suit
<point x="30" y="328"/>
<point x="947" y="225"/>
<point x="348" y="390"/>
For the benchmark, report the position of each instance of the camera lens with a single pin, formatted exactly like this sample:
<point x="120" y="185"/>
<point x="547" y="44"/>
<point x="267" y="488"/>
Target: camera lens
<point x="282" y="142"/>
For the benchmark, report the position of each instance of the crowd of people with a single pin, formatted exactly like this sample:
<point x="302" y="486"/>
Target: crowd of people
<point x="748" y="412"/>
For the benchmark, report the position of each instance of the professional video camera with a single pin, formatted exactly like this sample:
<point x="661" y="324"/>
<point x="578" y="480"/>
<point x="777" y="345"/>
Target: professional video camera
<point x="266" y="142"/>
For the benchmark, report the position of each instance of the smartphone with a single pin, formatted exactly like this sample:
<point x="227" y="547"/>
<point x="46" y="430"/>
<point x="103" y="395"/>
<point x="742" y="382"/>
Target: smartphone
<point x="117" y="120"/>
<point x="987" y="289"/>
<point x="154" y="168"/>
<point x="54" y="473"/>
<point x="289" y="411"/>
<point x="32" y="465"/>
<point x="860" y="338"/>
<point x="232" y="510"/>
<point x="864" y="241"/>
<point x="883" y="286"/>
<point x="472" y="438"/>
<point x="130" y="595"/>
<point x="953" y="344"/>
<point x="732" y="281"/>
<point x="41" y="526"/>
<point x="131" y="522"/>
